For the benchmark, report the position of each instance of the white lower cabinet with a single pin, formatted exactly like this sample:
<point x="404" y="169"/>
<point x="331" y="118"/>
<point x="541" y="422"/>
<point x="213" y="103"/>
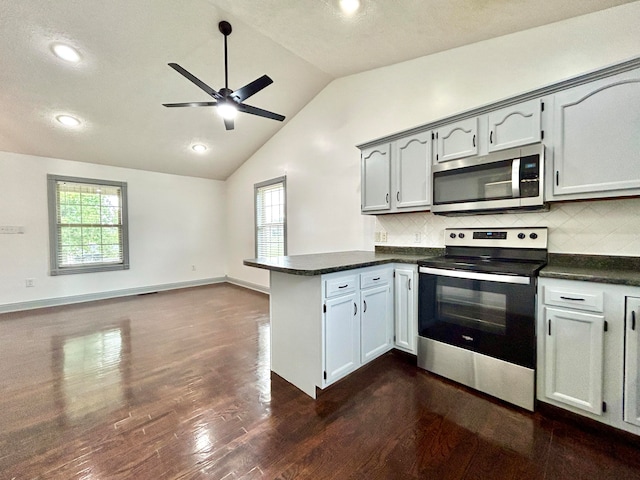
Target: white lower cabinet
<point x="406" y="308"/>
<point x="574" y="358"/>
<point x="342" y="336"/>
<point x="376" y="328"/>
<point x="632" y="362"/>
<point x="358" y="324"/>
<point x="588" y="346"/>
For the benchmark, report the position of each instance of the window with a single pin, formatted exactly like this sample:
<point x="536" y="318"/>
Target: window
<point x="271" y="218"/>
<point x="87" y="225"/>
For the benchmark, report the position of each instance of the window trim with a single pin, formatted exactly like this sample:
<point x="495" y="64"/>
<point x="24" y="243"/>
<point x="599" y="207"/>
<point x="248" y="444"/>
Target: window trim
<point x="54" y="268"/>
<point x="256" y="187"/>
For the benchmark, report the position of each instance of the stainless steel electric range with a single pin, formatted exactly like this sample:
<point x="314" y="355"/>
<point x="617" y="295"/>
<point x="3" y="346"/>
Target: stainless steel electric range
<point x="477" y="303"/>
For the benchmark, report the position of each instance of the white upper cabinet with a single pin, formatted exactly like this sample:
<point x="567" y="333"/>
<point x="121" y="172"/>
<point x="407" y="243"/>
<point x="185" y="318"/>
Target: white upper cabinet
<point x="396" y="177"/>
<point x="457" y="140"/>
<point x="597" y="139"/>
<point x="376" y="178"/>
<point x="412" y="170"/>
<point x="515" y="126"/>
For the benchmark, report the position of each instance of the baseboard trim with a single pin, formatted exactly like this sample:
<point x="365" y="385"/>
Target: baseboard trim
<point x="89" y="297"/>
<point x="249" y="285"/>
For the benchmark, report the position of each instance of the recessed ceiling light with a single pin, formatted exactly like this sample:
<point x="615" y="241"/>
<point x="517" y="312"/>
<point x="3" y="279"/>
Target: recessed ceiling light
<point x="349" y="6"/>
<point x="199" y="148"/>
<point x="65" y="52"/>
<point x="68" y="120"/>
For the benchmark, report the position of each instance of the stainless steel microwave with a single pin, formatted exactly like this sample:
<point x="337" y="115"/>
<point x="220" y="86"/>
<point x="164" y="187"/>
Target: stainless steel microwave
<point x="501" y="181"/>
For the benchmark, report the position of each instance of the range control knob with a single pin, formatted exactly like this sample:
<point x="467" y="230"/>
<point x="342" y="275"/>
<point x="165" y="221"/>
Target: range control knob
<point x="461" y="235"/>
<point x="452" y="235"/>
<point x="533" y="236"/>
<point x="521" y="235"/>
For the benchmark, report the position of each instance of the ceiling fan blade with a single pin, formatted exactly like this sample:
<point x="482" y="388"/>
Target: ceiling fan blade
<point x="195" y="81"/>
<point x="260" y="112"/>
<point x="191" y="104"/>
<point x="228" y="123"/>
<point x="251" y="88"/>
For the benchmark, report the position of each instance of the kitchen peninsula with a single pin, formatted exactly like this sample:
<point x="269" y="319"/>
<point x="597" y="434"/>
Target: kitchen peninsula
<point x="333" y="312"/>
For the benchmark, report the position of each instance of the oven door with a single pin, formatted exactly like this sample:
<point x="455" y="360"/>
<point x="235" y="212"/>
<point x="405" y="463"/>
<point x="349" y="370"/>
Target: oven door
<point x="486" y="313"/>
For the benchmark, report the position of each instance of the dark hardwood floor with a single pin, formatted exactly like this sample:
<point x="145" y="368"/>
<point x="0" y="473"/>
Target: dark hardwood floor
<point x="177" y="385"/>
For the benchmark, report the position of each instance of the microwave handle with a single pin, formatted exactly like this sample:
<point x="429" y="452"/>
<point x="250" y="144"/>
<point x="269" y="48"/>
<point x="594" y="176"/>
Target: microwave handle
<point x="515" y="178"/>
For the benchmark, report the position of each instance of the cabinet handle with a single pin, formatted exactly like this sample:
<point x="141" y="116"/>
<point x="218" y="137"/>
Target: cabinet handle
<point x="557" y="178"/>
<point x="572" y="299"/>
<point x="365" y="306"/>
<point x="343" y="286"/>
<point x="409" y="284"/>
<point x="549" y="326"/>
<point x="387" y="198"/>
<point x="398" y="196"/>
<point x="474" y="140"/>
<point x="355" y="309"/>
<point x="376" y="279"/>
<point x="491" y="137"/>
<point x="633" y="319"/>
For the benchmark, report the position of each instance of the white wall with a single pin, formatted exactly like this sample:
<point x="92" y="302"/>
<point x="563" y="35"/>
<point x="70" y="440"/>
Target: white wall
<point x="316" y="149"/>
<point x="174" y="222"/>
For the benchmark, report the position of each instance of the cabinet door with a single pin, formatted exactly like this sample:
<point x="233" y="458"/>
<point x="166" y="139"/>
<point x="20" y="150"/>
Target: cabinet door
<point x="341" y="337"/>
<point x="457" y="140"/>
<point x="376" y="178"/>
<point x="376" y="321"/>
<point x="574" y="349"/>
<point x="406" y="327"/>
<point x="632" y="362"/>
<point x="515" y="126"/>
<point x="412" y="165"/>
<point x="596" y="140"/>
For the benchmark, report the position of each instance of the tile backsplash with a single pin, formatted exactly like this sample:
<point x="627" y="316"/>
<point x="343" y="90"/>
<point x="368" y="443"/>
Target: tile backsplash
<point x="600" y="227"/>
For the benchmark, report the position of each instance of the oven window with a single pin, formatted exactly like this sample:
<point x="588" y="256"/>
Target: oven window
<point x="476" y="309"/>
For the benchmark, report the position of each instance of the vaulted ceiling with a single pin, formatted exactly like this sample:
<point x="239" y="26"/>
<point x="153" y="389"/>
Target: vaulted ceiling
<point x="118" y="87"/>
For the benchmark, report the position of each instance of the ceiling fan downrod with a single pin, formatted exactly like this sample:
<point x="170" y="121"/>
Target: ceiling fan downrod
<point x="225" y="29"/>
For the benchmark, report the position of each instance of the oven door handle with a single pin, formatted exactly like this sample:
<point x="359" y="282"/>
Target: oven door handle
<point x="490" y="277"/>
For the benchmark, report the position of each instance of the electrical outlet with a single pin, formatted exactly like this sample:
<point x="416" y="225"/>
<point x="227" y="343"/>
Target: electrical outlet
<point x="383" y="236"/>
<point x="376" y="237"/>
<point x="193" y="268"/>
<point x="418" y="237"/>
<point x="30" y="282"/>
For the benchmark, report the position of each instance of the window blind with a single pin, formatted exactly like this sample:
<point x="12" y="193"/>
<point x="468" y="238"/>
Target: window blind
<point x="89" y="220"/>
<point x="270" y="219"/>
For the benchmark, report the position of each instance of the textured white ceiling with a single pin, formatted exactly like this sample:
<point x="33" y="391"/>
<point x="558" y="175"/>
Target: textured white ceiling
<point x="118" y="88"/>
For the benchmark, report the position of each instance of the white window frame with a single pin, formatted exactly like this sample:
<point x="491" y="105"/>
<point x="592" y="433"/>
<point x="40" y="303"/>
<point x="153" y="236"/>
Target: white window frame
<point x="54" y="246"/>
<point x="256" y="189"/>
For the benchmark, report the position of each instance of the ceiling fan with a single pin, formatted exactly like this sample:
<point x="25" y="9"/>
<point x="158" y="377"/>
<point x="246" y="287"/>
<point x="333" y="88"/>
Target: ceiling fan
<point x="228" y="101"/>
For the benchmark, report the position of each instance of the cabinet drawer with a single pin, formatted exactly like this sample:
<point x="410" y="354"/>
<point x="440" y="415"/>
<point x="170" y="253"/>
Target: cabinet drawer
<point x="377" y="277"/>
<point x="340" y="286"/>
<point x="581" y="300"/>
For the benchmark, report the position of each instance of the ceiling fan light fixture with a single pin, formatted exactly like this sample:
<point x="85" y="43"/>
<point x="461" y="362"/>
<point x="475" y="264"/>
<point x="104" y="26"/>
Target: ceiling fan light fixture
<point x="349" y="7"/>
<point x="227" y="110"/>
<point x="68" y="120"/>
<point x="65" y="52"/>
<point x="199" y="148"/>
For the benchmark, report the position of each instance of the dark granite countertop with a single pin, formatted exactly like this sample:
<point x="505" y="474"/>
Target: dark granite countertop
<point x="594" y="268"/>
<point x="321" y="263"/>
